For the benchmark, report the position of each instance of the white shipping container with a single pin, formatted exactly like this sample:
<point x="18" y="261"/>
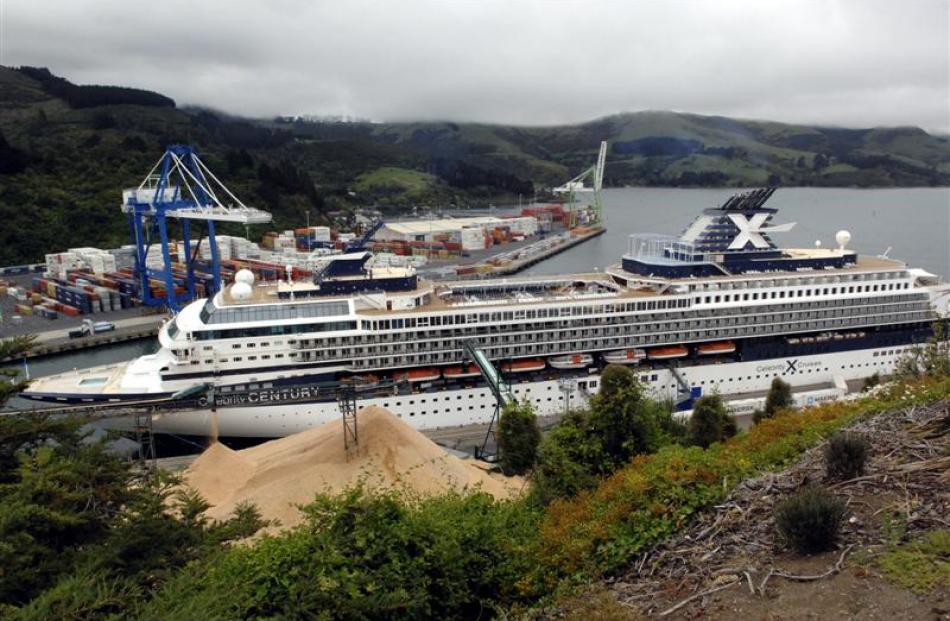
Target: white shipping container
<point x="321" y="233"/>
<point x="473" y="238"/>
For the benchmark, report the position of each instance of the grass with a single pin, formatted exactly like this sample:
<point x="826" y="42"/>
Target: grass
<point x="922" y="566"/>
<point x="391" y="176"/>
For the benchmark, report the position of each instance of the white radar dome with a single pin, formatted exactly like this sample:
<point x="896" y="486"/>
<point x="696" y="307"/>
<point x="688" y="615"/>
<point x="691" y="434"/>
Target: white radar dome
<point x="241" y="291"/>
<point x="244" y="276"/>
<point x="817" y="243"/>
<point x="842" y="237"/>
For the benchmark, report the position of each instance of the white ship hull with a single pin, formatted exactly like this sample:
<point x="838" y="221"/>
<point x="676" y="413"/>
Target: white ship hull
<point x="454" y="408"/>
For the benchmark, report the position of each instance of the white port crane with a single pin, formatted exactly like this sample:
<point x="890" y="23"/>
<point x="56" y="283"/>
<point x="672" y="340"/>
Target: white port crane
<point x="596" y="175"/>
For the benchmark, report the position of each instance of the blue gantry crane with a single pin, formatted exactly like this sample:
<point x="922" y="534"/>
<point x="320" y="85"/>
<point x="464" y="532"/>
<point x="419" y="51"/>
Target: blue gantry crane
<point x="360" y="242"/>
<point x="180" y="186"/>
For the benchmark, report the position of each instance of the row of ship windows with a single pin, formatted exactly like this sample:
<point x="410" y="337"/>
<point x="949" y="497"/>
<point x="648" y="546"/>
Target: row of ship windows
<point x="580" y="344"/>
<point x="791" y="282"/>
<point x="542" y="339"/>
<point x="773" y="295"/>
<point x="240" y="359"/>
<point x="520" y="315"/>
<point x="660" y="327"/>
<point x="735" y="315"/>
<point x="737" y="312"/>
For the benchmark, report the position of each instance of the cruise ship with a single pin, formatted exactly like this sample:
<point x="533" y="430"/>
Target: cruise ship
<point x="720" y="308"/>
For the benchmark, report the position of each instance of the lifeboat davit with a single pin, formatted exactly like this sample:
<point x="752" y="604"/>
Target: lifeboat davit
<point x="417" y="375"/>
<point x="667" y="353"/>
<point x="571" y="361"/>
<point x="625" y="356"/>
<point x="523" y="366"/>
<point x="719" y="347"/>
<point x="470" y="370"/>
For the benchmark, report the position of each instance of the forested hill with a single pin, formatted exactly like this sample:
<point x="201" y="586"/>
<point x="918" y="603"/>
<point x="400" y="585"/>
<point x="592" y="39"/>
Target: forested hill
<point x="675" y="149"/>
<point x="67" y="151"/>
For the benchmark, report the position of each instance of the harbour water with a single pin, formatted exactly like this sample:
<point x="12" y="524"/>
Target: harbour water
<point x="913" y="222"/>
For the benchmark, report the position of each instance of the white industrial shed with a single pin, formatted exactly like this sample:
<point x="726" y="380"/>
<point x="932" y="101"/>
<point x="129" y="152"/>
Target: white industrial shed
<point x="469" y="231"/>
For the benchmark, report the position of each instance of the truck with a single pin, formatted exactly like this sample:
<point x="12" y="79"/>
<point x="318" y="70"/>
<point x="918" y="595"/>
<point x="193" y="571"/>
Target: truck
<point x="89" y="327"/>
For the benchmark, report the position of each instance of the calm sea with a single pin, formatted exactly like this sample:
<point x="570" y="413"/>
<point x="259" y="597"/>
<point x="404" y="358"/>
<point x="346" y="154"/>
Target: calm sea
<point x="914" y="224"/>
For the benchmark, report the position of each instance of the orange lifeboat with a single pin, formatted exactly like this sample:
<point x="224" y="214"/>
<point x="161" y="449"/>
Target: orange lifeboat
<point x="417" y="375"/>
<point x="667" y="353"/>
<point x="572" y="361"/>
<point x="625" y="356"/>
<point x="470" y="370"/>
<point x="523" y="366"/>
<point x="719" y="347"/>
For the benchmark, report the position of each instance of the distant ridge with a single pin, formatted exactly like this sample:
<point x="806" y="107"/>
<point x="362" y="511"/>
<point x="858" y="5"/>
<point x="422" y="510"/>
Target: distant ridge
<point x="66" y="151"/>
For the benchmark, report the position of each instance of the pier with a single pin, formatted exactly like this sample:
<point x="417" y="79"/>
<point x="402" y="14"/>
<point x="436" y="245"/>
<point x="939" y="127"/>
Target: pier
<point x="520" y="264"/>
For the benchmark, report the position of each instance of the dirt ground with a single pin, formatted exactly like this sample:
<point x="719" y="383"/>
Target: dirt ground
<point x="730" y="565"/>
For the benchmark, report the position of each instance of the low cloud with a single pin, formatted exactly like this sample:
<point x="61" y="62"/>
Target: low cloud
<point x="851" y="63"/>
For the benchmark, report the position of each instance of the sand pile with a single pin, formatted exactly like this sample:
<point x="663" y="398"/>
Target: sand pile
<point x="277" y="475"/>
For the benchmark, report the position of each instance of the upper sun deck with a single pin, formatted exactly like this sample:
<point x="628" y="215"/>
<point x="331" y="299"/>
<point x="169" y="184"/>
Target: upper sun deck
<point x="809" y="262"/>
<point x="281" y="291"/>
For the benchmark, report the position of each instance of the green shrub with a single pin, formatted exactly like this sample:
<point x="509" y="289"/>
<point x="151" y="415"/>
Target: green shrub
<point x="710" y="421"/>
<point x="518" y="438"/>
<point x="778" y="398"/>
<point x="361" y="556"/>
<point x="809" y="521"/>
<point x="845" y="456"/>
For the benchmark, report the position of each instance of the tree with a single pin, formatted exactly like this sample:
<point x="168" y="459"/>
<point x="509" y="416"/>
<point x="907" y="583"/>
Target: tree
<point x="625" y="422"/>
<point x="518" y="437"/>
<point x="778" y="397"/>
<point x="10" y="384"/>
<point x="936" y="358"/>
<point x="932" y="358"/>
<point x="710" y="421"/>
<point x="70" y="507"/>
<point x="567" y="459"/>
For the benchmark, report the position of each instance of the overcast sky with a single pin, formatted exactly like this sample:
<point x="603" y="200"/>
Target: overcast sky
<point x="847" y="62"/>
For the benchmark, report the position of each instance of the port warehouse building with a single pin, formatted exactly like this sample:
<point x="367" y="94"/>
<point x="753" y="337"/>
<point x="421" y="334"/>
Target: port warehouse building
<point x="470" y="232"/>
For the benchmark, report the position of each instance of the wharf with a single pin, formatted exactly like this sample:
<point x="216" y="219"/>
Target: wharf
<point x="127" y="329"/>
<point x="518" y="265"/>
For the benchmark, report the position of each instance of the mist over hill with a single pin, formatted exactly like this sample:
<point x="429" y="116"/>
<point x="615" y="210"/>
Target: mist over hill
<point x="67" y="151"/>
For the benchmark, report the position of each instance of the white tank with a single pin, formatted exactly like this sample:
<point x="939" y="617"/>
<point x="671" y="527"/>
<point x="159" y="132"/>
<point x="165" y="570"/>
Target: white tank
<point x="842" y="237"/>
<point x="244" y="276"/>
<point x="241" y="291"/>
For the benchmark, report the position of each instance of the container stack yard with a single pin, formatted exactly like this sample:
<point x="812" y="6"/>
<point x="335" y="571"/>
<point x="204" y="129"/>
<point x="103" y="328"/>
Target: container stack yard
<point x="561" y="229"/>
<point x="87" y="281"/>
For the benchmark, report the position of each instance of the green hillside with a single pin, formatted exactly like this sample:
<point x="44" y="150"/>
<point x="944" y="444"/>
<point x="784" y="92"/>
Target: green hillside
<point x="67" y="151"/>
<point x="667" y="148"/>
